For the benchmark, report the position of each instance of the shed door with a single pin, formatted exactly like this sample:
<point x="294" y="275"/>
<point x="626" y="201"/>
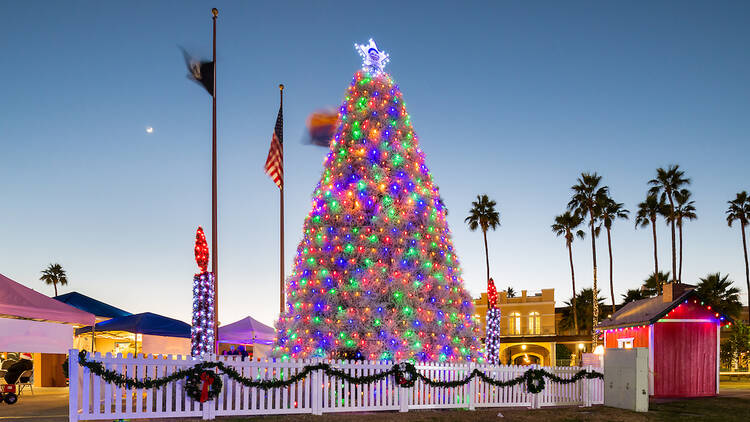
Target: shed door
<point x="684" y="359"/>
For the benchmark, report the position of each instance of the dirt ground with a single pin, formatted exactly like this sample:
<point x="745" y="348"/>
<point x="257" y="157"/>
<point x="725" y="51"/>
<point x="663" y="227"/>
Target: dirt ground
<point x="727" y="409"/>
<point x="51" y="405"/>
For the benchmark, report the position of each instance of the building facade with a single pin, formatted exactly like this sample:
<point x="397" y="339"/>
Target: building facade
<point x="529" y="332"/>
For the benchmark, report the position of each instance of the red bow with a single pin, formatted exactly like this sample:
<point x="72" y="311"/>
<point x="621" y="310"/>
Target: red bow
<point x="207" y="381"/>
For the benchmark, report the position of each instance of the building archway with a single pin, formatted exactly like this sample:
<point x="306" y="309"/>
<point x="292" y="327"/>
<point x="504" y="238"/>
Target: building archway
<point x="530" y="353"/>
<point x="526" y="358"/>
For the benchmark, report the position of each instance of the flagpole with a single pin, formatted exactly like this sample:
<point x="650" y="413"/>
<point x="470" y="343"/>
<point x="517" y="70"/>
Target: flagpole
<point x="214" y="223"/>
<point x="281" y="217"/>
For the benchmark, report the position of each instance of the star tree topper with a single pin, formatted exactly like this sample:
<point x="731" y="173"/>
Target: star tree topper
<point x="373" y="60"/>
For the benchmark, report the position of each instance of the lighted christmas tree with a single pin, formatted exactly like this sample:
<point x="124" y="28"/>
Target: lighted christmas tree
<point x="202" y="330"/>
<point x="376" y="275"/>
<point x="492" y="334"/>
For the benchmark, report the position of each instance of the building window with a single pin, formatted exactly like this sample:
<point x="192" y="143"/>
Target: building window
<point x="514" y="322"/>
<point x="625" y="343"/>
<point x="535" y="326"/>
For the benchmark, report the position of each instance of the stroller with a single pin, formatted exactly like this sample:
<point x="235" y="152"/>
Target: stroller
<point x="8" y="393"/>
<point x="11" y="372"/>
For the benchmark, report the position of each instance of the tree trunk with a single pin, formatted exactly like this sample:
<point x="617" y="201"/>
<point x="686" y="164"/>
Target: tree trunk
<point x="573" y="278"/>
<point x="611" y="282"/>
<point x="487" y="259"/>
<point x="674" y="244"/>
<point x="55" y="285"/>
<point x="595" y="302"/>
<point x="656" y="257"/>
<point x="747" y="269"/>
<point x="679" y="227"/>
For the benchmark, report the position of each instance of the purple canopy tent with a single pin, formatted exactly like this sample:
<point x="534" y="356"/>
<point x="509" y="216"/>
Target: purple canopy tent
<point x="246" y="331"/>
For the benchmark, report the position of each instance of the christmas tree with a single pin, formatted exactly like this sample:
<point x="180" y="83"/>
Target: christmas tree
<point x="376" y="275"/>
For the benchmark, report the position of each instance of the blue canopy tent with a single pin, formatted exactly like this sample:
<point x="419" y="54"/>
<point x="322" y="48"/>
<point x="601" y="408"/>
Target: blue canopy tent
<point x="91" y="305"/>
<point x="145" y="323"/>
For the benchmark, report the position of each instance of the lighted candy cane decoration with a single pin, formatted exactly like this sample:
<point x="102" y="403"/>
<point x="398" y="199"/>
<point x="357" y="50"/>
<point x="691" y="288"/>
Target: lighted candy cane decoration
<point x="202" y="331"/>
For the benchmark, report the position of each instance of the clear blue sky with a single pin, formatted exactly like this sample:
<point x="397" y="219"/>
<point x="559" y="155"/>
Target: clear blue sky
<point x="511" y="99"/>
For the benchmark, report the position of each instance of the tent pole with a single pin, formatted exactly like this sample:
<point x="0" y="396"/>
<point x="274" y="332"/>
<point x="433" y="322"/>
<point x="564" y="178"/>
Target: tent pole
<point x="93" y="338"/>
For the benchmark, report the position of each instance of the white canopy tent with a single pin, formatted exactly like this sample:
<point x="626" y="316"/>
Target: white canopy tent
<point x="34" y="323"/>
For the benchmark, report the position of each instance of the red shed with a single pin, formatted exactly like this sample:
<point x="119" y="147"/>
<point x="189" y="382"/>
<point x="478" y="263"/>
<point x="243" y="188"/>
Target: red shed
<point x="682" y="335"/>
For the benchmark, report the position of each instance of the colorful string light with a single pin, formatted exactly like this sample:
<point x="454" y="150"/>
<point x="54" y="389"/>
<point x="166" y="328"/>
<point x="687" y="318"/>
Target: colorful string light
<point x="376" y="275"/>
<point x="692" y="306"/>
<point x="202" y="330"/>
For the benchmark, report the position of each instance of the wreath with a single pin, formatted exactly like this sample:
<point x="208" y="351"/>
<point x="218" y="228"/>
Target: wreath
<point x="534" y="381"/>
<point x="405" y="374"/>
<point x="203" y="386"/>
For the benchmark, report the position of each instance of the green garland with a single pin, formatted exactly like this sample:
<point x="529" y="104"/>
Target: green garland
<point x="405" y="374"/>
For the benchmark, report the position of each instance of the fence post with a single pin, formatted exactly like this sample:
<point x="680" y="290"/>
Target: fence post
<point x="213" y="403"/>
<point x="589" y="385"/>
<point x="73" y="389"/>
<point x="207" y="406"/>
<point x="584" y="387"/>
<point x="472" y="385"/>
<point x="535" y="396"/>
<point x="402" y="400"/>
<point x="315" y="386"/>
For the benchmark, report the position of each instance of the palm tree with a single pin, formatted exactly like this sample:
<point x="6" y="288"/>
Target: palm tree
<point x="666" y="184"/>
<point x="54" y="274"/>
<point x="648" y="211"/>
<point x="632" y="295"/>
<point x="611" y="211"/>
<point x="584" y="310"/>
<point x="739" y="210"/>
<point x="653" y="284"/>
<point x="586" y="202"/>
<point x="510" y="292"/>
<point x="684" y="211"/>
<point x="483" y="215"/>
<point x="718" y="292"/>
<point x="566" y="224"/>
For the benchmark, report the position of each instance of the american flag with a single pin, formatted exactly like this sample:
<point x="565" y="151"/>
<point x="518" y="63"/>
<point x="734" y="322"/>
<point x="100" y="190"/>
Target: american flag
<point x="275" y="160"/>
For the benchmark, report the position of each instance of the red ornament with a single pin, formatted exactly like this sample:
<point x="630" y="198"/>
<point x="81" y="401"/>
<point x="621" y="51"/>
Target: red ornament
<point x="201" y="250"/>
<point x="491" y="293"/>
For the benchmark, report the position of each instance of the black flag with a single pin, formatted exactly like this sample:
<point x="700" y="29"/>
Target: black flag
<point x="200" y="71"/>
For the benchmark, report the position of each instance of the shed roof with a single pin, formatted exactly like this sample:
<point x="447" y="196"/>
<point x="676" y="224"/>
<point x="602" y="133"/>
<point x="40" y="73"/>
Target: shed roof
<point x="91" y="305"/>
<point x="645" y="311"/>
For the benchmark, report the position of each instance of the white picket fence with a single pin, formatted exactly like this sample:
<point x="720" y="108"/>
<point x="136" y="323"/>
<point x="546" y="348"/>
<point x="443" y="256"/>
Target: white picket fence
<point x="93" y="399"/>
